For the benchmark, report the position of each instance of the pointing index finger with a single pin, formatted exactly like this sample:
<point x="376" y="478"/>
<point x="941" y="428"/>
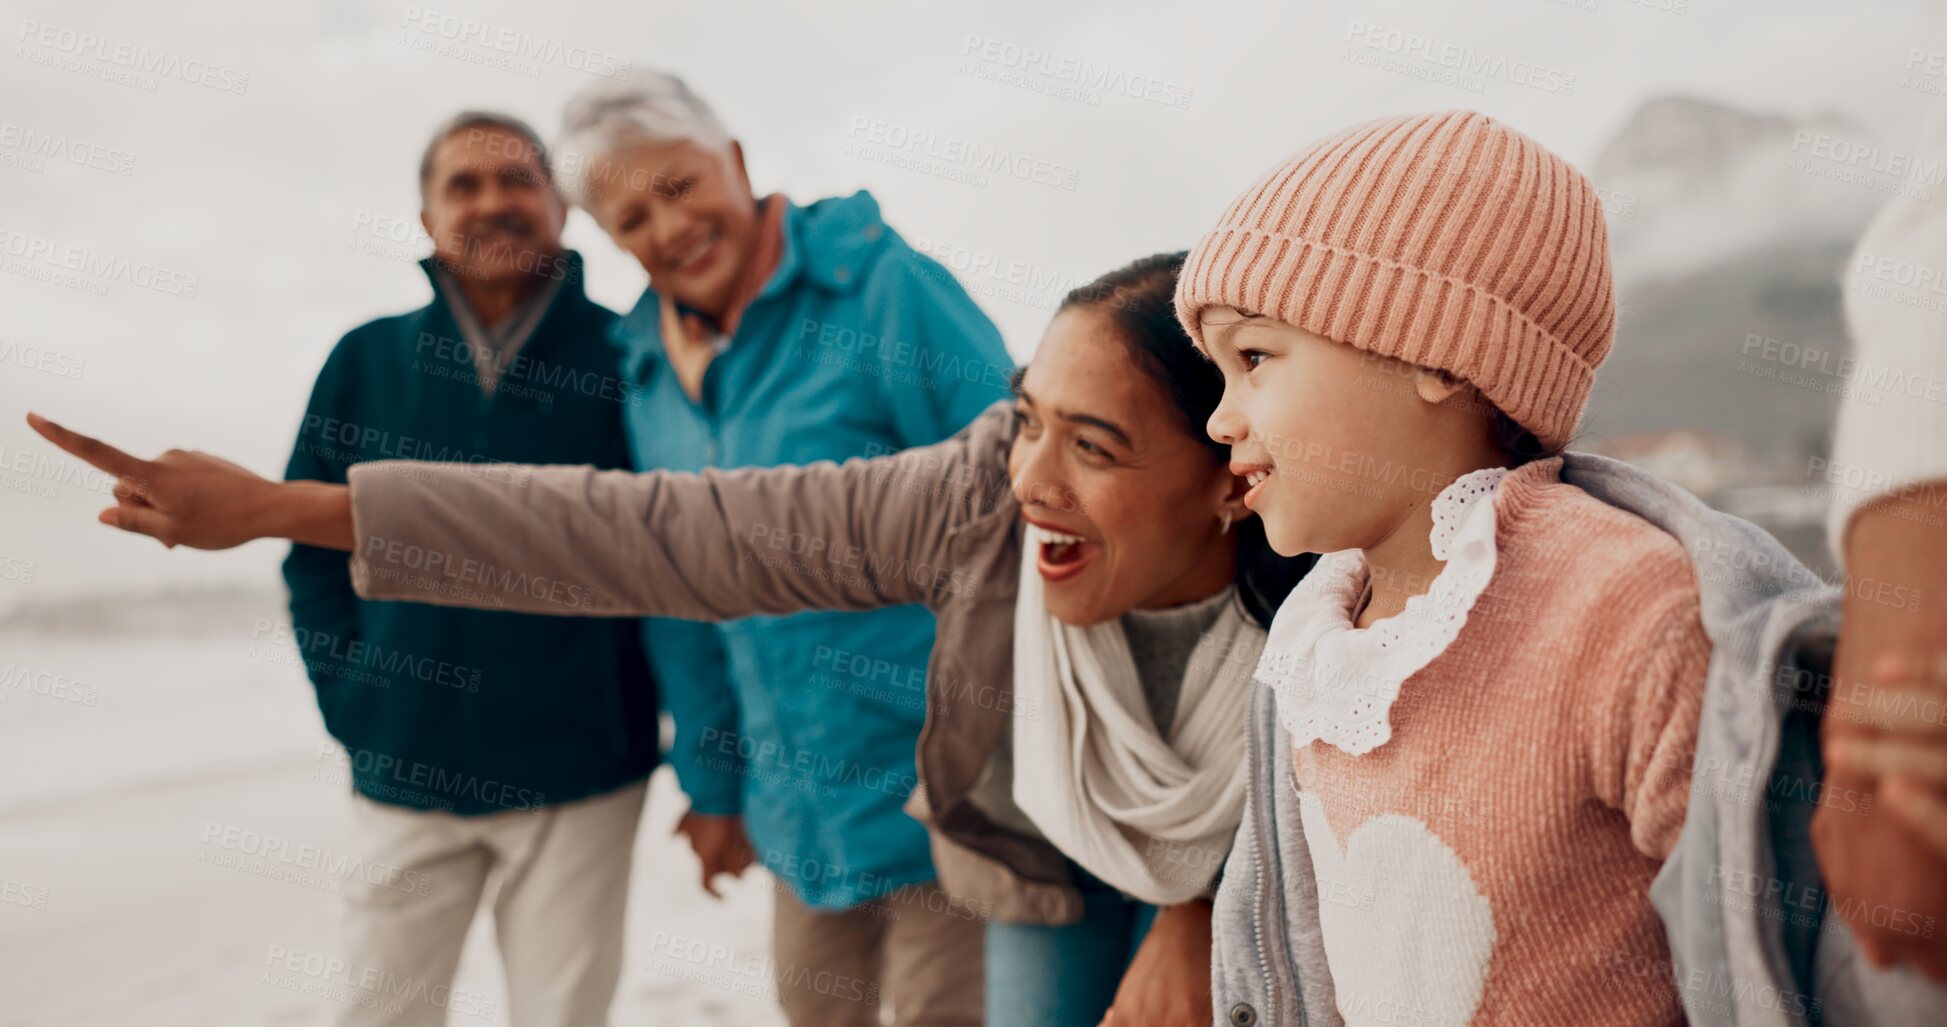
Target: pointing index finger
<point x="94" y="451"/>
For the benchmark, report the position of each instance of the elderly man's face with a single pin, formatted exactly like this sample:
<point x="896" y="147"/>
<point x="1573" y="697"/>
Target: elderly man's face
<point x="489" y="207"/>
<point x="685" y="211"/>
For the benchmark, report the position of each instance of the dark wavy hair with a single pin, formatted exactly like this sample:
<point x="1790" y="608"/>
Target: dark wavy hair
<point x="1139" y="299"/>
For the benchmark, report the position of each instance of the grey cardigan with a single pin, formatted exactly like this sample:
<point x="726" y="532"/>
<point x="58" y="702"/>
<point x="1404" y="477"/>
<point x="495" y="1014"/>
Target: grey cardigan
<point x="1738" y="959"/>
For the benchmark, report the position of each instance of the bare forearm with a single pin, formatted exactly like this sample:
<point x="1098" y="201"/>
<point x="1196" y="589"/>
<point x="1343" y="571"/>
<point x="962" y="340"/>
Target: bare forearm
<point x="309" y="512"/>
<point x="1877" y="855"/>
<point x="1168" y="981"/>
<point x="1896" y="571"/>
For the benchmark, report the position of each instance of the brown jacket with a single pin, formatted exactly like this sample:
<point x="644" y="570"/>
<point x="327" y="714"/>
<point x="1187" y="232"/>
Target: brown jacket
<point x="936" y="525"/>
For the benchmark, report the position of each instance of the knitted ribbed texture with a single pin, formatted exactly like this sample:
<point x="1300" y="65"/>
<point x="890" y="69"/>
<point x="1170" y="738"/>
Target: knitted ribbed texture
<point x="1549" y="749"/>
<point x="1447" y="240"/>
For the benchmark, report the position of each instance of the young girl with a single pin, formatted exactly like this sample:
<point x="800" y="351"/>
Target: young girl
<point x="1490" y="687"/>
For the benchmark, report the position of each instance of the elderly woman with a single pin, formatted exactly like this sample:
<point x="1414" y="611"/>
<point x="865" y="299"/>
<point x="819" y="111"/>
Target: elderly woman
<point x="774" y="333"/>
<point x="1101" y="593"/>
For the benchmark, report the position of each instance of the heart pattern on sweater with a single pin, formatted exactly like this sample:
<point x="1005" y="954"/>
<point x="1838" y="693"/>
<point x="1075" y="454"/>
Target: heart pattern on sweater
<point x="1408" y="935"/>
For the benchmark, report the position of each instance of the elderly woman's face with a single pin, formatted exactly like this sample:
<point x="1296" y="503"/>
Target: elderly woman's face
<point x="684" y="211"/>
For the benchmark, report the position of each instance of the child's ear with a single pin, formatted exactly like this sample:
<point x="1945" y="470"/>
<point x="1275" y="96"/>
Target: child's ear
<point x="1436" y="387"/>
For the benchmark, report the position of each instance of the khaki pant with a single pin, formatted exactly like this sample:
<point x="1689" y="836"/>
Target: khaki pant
<point x="913" y="949"/>
<point x="560" y="876"/>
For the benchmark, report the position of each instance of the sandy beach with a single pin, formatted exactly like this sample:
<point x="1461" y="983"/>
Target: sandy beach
<point x="172" y="838"/>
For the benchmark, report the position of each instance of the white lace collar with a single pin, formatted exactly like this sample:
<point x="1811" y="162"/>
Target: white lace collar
<point x="1336" y="682"/>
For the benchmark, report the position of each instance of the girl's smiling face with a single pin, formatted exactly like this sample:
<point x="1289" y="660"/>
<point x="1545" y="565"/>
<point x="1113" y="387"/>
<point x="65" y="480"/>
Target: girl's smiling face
<point x="1124" y="503"/>
<point x="1337" y="443"/>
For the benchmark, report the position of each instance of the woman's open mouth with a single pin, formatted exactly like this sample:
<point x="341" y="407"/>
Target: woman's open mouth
<point x="1059" y="555"/>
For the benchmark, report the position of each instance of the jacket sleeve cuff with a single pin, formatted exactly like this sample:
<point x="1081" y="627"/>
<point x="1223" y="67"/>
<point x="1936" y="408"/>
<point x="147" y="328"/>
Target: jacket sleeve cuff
<point x="711" y="792"/>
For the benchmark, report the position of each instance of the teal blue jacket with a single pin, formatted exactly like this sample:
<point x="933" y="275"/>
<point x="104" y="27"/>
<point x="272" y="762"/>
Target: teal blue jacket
<point x="857" y="345"/>
<point x="469" y="711"/>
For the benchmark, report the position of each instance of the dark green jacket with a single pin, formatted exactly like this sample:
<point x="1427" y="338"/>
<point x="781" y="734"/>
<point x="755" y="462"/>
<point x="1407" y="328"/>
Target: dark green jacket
<point x="469" y="711"/>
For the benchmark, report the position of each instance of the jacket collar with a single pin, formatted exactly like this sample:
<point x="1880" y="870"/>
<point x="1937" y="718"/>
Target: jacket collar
<point x="570" y="290"/>
<point x="829" y="244"/>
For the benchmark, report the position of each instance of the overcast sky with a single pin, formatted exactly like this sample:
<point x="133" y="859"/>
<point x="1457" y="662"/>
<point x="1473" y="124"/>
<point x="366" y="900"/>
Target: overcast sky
<point x="263" y="149"/>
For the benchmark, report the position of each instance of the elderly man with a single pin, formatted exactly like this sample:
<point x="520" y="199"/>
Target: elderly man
<point x="484" y="748"/>
<point x="773" y="333"/>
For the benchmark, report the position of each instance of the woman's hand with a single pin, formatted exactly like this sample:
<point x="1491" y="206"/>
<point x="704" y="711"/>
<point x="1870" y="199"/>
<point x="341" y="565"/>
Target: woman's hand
<point x="205" y="502"/>
<point x="720" y="845"/>
<point x="1168" y="983"/>
<point x="1907" y="754"/>
<point x="1880" y="830"/>
<point x="1888" y="871"/>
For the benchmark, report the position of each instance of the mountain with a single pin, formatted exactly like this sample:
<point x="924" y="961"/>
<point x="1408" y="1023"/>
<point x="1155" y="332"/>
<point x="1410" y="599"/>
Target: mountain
<point x="1728" y="263"/>
<point x="1728" y="260"/>
<point x="1689" y="184"/>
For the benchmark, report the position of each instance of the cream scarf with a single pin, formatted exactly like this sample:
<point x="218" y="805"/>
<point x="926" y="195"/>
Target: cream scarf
<point x="1153" y="817"/>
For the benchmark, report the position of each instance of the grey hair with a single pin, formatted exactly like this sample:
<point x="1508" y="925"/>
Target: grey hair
<point x="481" y="119"/>
<point x="609" y="117"/>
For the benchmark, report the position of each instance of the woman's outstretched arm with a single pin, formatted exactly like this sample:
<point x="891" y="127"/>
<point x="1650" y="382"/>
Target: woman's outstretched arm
<point x="574" y="540"/>
<point x="206" y="502"/>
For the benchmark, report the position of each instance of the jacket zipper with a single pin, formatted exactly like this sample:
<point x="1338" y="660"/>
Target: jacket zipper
<point x="1270" y="904"/>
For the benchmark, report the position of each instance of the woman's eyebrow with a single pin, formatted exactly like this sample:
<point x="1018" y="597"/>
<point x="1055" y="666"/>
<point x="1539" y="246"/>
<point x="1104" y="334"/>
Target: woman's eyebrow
<point x="1105" y="425"/>
<point x="1089" y="419"/>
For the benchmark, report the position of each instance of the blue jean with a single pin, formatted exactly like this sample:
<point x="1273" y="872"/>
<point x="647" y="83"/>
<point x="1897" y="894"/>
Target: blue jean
<point x="1041" y="976"/>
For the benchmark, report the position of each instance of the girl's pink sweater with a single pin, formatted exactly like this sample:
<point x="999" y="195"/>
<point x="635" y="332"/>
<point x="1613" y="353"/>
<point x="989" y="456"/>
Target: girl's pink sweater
<point x="1504" y="838"/>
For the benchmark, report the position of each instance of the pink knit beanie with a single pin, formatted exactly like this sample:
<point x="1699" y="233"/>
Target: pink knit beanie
<point x="1449" y="241"/>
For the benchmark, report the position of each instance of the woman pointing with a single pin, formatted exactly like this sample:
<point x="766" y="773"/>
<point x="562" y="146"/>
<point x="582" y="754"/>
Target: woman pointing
<point x="1101" y="595"/>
